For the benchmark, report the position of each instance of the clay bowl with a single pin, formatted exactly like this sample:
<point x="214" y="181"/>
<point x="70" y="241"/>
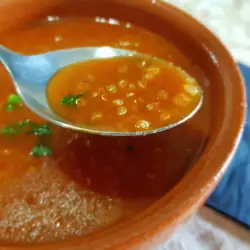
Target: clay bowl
<point x="227" y="111"/>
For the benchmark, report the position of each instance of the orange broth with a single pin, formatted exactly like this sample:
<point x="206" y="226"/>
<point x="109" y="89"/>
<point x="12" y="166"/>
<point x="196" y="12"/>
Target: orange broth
<point x="56" y="184"/>
<point x="123" y="94"/>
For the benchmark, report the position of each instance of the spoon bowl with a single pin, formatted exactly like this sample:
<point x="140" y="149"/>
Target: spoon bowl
<point x="31" y="76"/>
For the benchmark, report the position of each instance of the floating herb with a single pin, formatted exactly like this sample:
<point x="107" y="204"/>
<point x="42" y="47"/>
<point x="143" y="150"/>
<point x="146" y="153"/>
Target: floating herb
<point x="29" y="127"/>
<point x="41" y="150"/>
<point x="71" y="100"/>
<point x="13" y="102"/>
<point x="15" y="129"/>
<point x="35" y="129"/>
<point x="14" y="99"/>
<point x="39" y="130"/>
<point x="9" y="130"/>
<point x="9" y="107"/>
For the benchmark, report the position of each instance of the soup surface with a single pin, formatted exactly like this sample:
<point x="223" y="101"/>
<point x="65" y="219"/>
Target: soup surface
<point x="56" y="184"/>
<point x="123" y="94"/>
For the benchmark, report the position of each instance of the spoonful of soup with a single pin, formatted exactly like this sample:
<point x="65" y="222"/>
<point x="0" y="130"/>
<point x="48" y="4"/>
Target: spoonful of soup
<point x="104" y="90"/>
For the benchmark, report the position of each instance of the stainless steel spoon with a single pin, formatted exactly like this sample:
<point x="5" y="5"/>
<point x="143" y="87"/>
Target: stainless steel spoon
<point x="31" y="75"/>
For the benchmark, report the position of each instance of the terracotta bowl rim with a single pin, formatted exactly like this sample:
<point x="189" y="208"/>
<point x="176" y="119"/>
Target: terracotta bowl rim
<point x="164" y="215"/>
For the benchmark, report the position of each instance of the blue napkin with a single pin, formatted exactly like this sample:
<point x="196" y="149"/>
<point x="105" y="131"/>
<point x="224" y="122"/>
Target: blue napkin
<point x="232" y="195"/>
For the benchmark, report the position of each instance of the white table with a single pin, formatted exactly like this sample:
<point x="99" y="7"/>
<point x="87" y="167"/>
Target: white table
<point x="207" y="230"/>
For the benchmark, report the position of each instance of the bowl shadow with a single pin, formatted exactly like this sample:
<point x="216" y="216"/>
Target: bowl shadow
<point x="132" y="167"/>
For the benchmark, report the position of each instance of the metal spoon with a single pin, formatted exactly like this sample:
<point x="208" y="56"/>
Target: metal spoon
<point x="31" y="75"/>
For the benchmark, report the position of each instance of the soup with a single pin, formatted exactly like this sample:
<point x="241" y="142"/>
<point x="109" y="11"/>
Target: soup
<point x="57" y="184"/>
<point x="123" y="94"/>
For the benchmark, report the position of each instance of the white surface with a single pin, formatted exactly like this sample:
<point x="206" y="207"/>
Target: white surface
<point x="201" y="234"/>
<point x="230" y="20"/>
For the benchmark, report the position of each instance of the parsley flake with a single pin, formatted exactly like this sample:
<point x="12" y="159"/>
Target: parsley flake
<point x="71" y="100"/>
<point x="13" y="102"/>
<point x="15" y="129"/>
<point x="41" y="150"/>
<point x="39" y="130"/>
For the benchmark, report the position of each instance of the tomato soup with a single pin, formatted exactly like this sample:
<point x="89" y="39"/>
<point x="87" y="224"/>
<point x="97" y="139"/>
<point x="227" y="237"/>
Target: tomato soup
<point x="56" y="184"/>
<point x="132" y="93"/>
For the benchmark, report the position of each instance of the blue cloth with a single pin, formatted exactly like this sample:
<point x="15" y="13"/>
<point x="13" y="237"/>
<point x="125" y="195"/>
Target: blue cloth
<point x="232" y="195"/>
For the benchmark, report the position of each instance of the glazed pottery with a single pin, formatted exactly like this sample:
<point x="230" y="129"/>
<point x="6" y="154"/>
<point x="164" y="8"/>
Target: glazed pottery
<point x="154" y="226"/>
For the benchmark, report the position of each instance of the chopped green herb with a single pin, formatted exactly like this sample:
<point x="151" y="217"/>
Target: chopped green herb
<point x="35" y="129"/>
<point x="9" y="130"/>
<point x="15" y="129"/>
<point x="9" y="107"/>
<point x="27" y="126"/>
<point x="13" y="101"/>
<point x="39" y="130"/>
<point x="130" y="147"/>
<point x="24" y="123"/>
<point x="40" y="150"/>
<point x="71" y="100"/>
